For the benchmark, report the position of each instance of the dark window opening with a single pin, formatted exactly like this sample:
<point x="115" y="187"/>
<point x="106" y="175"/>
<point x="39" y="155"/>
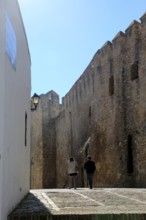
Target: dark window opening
<point x="90" y="112"/>
<point x="111" y="85"/>
<point x="134" y="71"/>
<point x="111" y="66"/>
<point x="25" y="140"/>
<point x="129" y="155"/>
<point x="99" y="69"/>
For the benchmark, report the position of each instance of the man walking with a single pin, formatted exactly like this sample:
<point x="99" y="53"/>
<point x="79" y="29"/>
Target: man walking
<point x="90" y="167"/>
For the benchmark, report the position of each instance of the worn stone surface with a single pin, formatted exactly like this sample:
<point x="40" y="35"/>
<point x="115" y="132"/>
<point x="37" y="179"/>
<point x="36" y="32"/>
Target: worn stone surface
<point x="106" y="105"/>
<point x="102" y="203"/>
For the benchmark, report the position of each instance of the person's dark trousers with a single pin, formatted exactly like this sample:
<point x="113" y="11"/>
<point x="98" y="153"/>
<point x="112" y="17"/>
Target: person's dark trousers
<point x="90" y="179"/>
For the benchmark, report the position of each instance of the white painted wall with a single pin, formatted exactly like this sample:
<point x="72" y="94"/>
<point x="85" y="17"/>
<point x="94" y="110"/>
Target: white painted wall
<point x="15" y="88"/>
<point x="2" y="97"/>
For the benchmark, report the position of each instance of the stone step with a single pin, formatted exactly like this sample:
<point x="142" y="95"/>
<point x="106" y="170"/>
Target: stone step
<point x="82" y="203"/>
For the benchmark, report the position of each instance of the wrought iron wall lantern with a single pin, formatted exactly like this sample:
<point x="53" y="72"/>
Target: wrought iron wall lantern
<point x="34" y="102"/>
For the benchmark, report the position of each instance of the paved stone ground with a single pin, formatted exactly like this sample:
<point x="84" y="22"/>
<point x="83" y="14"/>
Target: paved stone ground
<point x="102" y="203"/>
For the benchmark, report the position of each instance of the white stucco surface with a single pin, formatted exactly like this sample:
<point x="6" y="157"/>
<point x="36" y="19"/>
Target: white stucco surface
<point x="15" y="88"/>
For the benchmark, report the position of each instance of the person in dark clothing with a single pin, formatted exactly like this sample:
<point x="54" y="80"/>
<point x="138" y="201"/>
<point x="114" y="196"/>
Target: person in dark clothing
<point x="90" y="167"/>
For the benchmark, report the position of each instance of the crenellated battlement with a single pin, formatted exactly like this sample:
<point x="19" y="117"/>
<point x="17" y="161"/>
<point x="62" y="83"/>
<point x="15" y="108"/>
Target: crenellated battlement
<point x="107" y="53"/>
<point x="118" y="40"/>
<point x="143" y="19"/>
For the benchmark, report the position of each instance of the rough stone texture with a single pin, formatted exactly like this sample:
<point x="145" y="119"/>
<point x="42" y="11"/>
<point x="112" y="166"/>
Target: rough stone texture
<point x="43" y="150"/>
<point x="103" y="114"/>
<point x="36" y="150"/>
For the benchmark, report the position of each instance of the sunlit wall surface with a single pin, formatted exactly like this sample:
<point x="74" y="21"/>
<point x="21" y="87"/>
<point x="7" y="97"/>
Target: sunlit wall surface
<point x="15" y="88"/>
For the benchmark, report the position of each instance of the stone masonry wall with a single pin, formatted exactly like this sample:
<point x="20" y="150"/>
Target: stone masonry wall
<point x="104" y="115"/>
<point x="43" y="156"/>
<point x="36" y="180"/>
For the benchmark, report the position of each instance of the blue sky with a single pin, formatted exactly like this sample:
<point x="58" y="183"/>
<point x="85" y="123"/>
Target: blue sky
<point x="64" y="35"/>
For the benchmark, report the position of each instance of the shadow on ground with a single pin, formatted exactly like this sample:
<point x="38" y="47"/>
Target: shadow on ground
<point x="30" y="208"/>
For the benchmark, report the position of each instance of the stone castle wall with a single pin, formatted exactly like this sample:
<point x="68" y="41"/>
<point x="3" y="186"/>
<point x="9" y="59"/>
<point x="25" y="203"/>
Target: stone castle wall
<point x="104" y="115"/>
<point x="43" y="147"/>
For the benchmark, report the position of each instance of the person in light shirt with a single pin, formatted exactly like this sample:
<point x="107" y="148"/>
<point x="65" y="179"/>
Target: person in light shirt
<point x="72" y="172"/>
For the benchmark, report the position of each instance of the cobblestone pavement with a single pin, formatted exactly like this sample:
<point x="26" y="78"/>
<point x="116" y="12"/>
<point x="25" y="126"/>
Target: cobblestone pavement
<point x="83" y="201"/>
